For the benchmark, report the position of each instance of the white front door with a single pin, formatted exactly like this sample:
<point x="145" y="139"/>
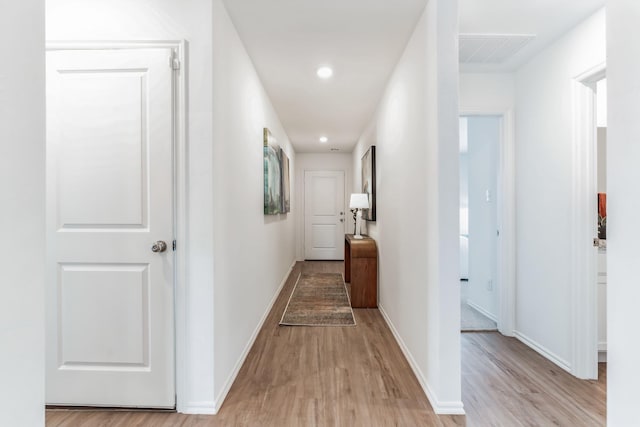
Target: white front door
<point x="109" y="297"/>
<point x="324" y="215"/>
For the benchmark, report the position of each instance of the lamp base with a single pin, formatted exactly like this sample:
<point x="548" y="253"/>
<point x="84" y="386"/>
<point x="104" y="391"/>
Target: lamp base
<point x="357" y="234"/>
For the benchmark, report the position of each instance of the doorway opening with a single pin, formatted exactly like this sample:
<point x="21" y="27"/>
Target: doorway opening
<point x="589" y="226"/>
<point x="479" y="142"/>
<point x="601" y="161"/>
<point x="487" y="221"/>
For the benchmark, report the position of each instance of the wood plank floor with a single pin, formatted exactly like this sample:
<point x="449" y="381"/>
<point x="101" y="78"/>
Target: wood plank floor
<point x="505" y="383"/>
<point x="357" y="376"/>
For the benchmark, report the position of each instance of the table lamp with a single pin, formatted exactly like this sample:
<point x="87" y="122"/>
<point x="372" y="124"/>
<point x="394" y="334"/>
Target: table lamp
<point x="358" y="202"/>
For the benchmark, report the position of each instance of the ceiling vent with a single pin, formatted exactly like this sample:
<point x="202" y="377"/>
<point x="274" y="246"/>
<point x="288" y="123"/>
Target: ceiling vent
<point x="491" y="48"/>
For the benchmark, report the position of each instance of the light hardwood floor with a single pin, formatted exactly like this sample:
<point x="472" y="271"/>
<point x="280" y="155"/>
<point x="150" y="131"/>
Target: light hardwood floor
<point x="357" y="376"/>
<point x="505" y="383"/>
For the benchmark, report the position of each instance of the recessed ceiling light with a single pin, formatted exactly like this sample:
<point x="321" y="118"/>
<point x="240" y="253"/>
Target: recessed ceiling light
<point x="324" y="72"/>
<point x="324" y="139"/>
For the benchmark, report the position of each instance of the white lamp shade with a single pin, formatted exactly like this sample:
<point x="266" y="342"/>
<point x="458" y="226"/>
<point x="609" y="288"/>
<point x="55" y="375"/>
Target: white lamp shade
<point x="359" y="201"/>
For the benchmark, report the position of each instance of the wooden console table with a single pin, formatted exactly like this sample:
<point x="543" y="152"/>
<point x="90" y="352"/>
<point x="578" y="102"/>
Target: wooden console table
<point x="361" y="270"/>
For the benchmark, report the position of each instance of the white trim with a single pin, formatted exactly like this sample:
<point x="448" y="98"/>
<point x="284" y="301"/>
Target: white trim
<point x="199" y="408"/>
<point x="584" y="329"/>
<point x="116" y="44"/>
<point x="179" y="47"/>
<point x="543" y="351"/>
<point x="506" y="251"/>
<point x="217" y="404"/>
<point x="441" y="408"/>
<point x="482" y="311"/>
<point x="181" y="191"/>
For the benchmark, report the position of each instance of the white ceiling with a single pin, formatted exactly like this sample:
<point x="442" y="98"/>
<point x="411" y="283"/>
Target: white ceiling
<point x="362" y="41"/>
<point x="546" y="19"/>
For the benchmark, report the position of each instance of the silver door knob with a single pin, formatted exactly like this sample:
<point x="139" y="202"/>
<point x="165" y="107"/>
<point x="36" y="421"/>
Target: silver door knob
<point x="159" y="246"/>
<point x="341" y="219"/>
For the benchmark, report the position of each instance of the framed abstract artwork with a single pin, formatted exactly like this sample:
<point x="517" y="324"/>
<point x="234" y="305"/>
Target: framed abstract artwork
<point x="286" y="182"/>
<point x="277" y="181"/>
<point x="369" y="182"/>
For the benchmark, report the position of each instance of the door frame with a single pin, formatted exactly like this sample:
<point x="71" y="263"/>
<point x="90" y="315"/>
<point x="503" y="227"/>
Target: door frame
<point x="178" y="47"/>
<point x="584" y="302"/>
<point x="506" y="211"/>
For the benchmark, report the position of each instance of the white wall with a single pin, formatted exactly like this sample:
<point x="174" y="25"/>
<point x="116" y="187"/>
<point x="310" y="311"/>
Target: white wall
<point x="623" y="232"/>
<point x="319" y="162"/>
<point x="22" y="126"/>
<point x="227" y="110"/>
<point x="366" y="140"/>
<point x="544" y="126"/>
<point x="415" y="131"/>
<point x="483" y="93"/>
<point x="243" y="235"/>
<point x="484" y="133"/>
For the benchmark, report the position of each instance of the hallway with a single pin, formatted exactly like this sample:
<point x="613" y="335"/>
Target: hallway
<point x="300" y="376"/>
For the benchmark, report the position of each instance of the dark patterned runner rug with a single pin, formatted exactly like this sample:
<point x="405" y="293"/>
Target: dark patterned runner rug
<point x="318" y="299"/>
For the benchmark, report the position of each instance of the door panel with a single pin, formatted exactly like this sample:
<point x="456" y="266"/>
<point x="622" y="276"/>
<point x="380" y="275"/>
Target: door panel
<point x="104" y="320"/>
<point x="323" y="194"/>
<point x="324" y="215"/>
<point x="93" y="149"/>
<point x="109" y="198"/>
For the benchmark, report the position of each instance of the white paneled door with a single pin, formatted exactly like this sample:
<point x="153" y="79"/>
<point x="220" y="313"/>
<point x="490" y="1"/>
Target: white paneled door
<point x="109" y="298"/>
<point x="324" y="215"/>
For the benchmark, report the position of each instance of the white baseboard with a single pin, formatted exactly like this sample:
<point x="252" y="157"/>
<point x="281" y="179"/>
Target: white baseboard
<point x="543" y="351"/>
<point x="227" y="386"/>
<point x="199" y="408"/>
<point x="482" y="311"/>
<point x="442" y="408"/>
<point x="602" y="352"/>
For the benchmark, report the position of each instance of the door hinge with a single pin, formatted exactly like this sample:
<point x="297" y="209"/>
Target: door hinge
<point x="174" y="245"/>
<point x="174" y="62"/>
